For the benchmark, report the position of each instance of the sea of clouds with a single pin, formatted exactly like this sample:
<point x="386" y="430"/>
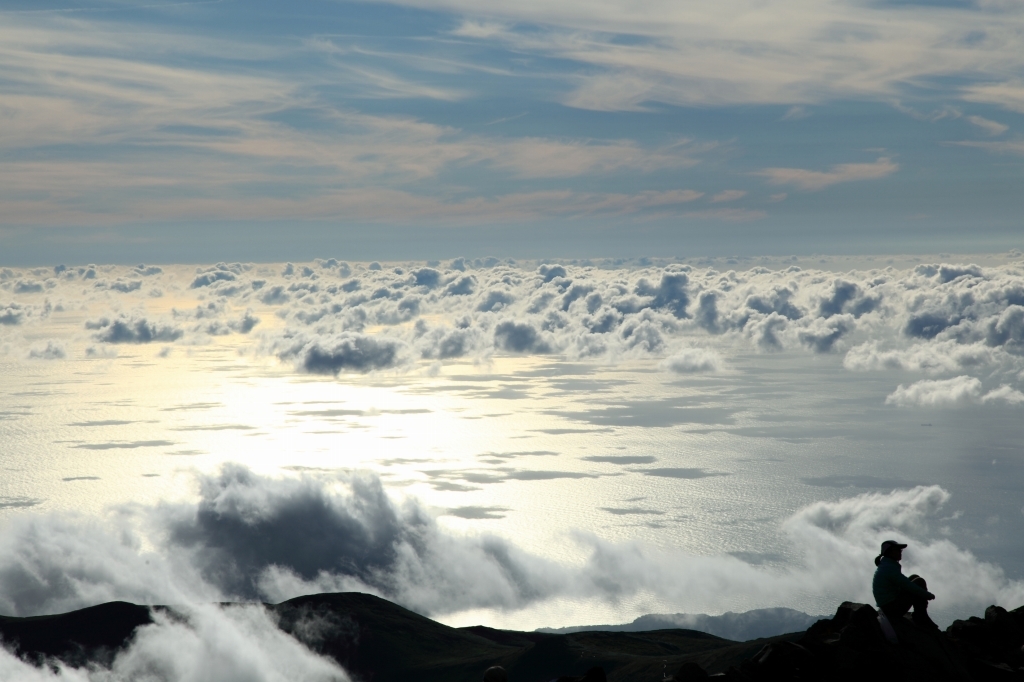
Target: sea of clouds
<point x="959" y="327"/>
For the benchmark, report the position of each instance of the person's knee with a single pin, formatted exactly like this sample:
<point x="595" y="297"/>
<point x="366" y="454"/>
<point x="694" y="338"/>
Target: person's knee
<point x="919" y="581"/>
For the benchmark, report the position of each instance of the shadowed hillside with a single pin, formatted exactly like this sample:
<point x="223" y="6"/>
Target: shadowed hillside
<point x="378" y="641"/>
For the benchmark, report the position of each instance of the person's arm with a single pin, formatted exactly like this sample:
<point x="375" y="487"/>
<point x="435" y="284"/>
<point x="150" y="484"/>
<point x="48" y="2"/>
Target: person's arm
<point x="906" y="585"/>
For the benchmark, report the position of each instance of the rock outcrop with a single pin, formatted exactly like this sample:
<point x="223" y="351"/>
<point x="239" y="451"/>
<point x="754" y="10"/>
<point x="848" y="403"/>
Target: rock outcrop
<point x="852" y="646"/>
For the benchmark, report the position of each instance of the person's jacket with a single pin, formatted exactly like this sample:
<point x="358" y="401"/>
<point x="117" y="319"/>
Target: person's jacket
<point x="889" y="582"/>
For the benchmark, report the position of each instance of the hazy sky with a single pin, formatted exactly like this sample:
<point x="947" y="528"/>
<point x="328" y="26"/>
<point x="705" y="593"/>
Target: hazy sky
<point x="195" y="131"/>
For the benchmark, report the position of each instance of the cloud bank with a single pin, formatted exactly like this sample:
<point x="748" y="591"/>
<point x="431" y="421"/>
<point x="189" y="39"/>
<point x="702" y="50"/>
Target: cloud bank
<point x="948" y="322"/>
<point x="251" y="537"/>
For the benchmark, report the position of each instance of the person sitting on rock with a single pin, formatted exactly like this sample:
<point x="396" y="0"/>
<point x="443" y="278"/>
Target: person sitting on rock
<point x="895" y="593"/>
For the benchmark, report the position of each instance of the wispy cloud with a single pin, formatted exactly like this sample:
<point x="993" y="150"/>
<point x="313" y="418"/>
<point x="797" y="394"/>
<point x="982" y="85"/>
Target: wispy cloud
<point x="990" y="127"/>
<point x="728" y="195"/>
<point x="1015" y="146"/>
<point x="812" y="180"/>
<point x="1008" y="94"/>
<point x="737" y="52"/>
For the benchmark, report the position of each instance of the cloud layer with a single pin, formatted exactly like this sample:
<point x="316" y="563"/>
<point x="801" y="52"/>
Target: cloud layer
<point x="252" y="537"/>
<point x="959" y="327"/>
<point x="200" y="643"/>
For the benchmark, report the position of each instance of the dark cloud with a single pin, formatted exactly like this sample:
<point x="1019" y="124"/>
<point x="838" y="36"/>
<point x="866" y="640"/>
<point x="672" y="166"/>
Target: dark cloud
<point x="191" y="406"/>
<point x="707" y="311"/>
<point x="244" y="524"/>
<point x="650" y="413"/>
<point x="249" y="534"/>
<point x="449" y="343"/>
<point x="550" y="272"/>
<point x="208" y="278"/>
<point x="519" y="337"/>
<point x="1005" y="330"/>
<point x="50" y="350"/>
<point x="19" y="502"/>
<point x="949" y="273"/>
<point x="132" y="330"/>
<point x="765" y="332"/>
<point x="103" y="422"/>
<point x="576" y="292"/>
<point x="519" y="453"/>
<point x="275" y="295"/>
<point x="12" y="314"/>
<point x="463" y="286"/>
<point x="670" y="293"/>
<point x="844" y="296"/>
<point x="125" y="286"/>
<point x="124" y="445"/>
<point x="622" y="459"/>
<point x="245" y="324"/>
<point x="478" y="513"/>
<point x="24" y="287"/>
<point x="631" y="511"/>
<point x="777" y="300"/>
<point x="674" y="472"/>
<point x="495" y="300"/>
<point x="822" y="338"/>
<point x="347" y="351"/>
<point x="928" y="325"/>
<point x="147" y="270"/>
<point x="427" y="277"/>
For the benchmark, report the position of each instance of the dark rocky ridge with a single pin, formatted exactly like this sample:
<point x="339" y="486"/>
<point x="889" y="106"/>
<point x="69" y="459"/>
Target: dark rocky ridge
<point x="377" y="641"/>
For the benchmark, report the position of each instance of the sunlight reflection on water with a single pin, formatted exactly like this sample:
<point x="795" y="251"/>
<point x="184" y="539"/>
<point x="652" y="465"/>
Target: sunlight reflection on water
<point x="527" y="449"/>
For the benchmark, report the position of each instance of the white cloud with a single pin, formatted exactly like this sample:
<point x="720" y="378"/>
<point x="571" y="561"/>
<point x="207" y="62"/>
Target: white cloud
<point x="1004" y="393"/>
<point x="949" y="392"/>
<point x="933" y="357"/>
<point x="1013" y="146"/>
<point x="936" y="393"/>
<point x="691" y="360"/>
<point x="728" y="195"/>
<point x="1008" y="94"/>
<point x="811" y="180"/>
<point x="201" y="644"/>
<point x="738" y="52"/>
<point x="366" y="540"/>
<point x="990" y="127"/>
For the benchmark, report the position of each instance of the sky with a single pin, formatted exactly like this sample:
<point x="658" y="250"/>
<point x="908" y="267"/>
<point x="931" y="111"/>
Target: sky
<point x="261" y="131"/>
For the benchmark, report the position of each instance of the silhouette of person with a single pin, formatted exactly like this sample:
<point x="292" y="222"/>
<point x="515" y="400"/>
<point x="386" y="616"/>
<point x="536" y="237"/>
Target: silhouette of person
<point x="895" y="594"/>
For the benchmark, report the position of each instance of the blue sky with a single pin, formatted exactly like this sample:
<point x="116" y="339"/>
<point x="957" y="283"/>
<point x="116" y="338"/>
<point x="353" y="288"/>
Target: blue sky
<point x="193" y="132"/>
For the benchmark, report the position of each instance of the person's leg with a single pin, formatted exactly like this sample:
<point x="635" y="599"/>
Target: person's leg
<point x="897" y="607"/>
<point x="921" y="616"/>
